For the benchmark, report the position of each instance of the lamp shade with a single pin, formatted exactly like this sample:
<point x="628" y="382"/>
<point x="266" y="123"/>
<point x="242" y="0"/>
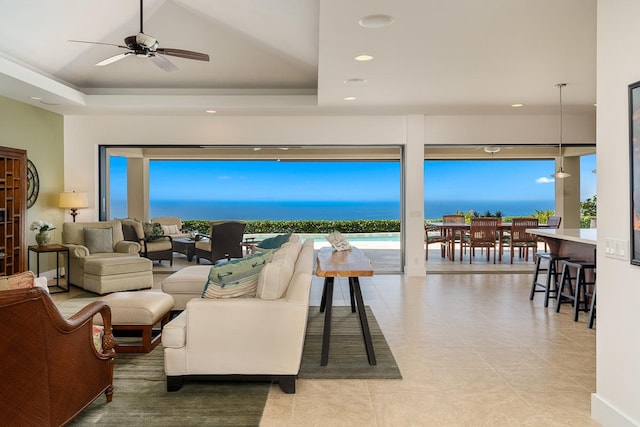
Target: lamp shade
<point x="73" y="200"/>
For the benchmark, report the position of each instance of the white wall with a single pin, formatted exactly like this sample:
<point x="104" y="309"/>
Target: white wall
<point x="83" y="135"/>
<point x="617" y="398"/>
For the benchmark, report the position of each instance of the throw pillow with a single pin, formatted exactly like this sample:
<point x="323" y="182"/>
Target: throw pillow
<point x="274" y="278"/>
<point x="98" y="240"/>
<point x="289" y="249"/>
<point x="22" y="280"/>
<point x="274" y="242"/>
<point x="133" y="230"/>
<point x="152" y="230"/>
<point x="129" y="233"/>
<point x="170" y="229"/>
<point x="236" y="278"/>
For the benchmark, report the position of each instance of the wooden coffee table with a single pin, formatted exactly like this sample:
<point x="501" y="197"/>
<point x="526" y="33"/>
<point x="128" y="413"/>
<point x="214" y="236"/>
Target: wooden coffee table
<point x="185" y="246"/>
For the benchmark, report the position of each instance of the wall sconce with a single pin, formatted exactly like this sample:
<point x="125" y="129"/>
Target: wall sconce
<point x="73" y="201"/>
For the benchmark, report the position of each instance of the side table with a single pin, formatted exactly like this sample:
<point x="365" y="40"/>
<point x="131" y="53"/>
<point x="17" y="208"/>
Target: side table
<point x="249" y="243"/>
<point x="185" y="246"/>
<point x="53" y="248"/>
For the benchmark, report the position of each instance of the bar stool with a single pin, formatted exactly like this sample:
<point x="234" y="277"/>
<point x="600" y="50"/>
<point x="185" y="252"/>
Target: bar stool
<point x="592" y="309"/>
<point x="577" y="293"/>
<point x="551" y="284"/>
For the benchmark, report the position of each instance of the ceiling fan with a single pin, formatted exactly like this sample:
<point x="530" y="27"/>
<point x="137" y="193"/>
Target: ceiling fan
<point x="143" y="45"/>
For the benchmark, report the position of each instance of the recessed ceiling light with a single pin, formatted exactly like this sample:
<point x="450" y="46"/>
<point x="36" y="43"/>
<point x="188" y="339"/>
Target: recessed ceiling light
<point x="363" y="57"/>
<point x="517" y="105"/>
<point x="355" y="81"/>
<point x="36" y="98"/>
<point x="376" y="21"/>
<point x="211" y="111"/>
<point x="350" y="98"/>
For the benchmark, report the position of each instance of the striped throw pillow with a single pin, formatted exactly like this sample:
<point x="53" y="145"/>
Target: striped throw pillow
<point x="235" y="278"/>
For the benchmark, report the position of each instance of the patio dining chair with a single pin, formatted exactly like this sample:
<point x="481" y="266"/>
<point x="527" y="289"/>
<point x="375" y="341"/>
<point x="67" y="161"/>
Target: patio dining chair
<point x="520" y="239"/>
<point x="483" y="233"/>
<point x="433" y="234"/>
<point x="450" y="237"/>
<point x="553" y="222"/>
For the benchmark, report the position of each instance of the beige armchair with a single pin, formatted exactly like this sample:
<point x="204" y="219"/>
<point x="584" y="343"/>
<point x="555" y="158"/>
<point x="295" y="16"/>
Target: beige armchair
<point x="105" y="245"/>
<point x="156" y="249"/>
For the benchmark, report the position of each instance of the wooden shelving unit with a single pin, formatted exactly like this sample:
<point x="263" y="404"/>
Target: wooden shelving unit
<point x="13" y="210"/>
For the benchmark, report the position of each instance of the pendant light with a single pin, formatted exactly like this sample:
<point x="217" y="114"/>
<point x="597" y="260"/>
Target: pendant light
<point x="561" y="174"/>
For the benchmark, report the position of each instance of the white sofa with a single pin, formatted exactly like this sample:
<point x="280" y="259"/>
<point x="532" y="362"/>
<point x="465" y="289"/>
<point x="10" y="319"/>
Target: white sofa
<point x="243" y="337"/>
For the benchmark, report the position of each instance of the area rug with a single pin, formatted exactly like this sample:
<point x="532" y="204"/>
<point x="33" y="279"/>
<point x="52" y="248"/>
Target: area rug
<point x="140" y="398"/>
<point x="347" y="354"/>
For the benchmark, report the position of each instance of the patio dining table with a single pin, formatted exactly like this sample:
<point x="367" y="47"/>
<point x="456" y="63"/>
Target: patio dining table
<point x="458" y="229"/>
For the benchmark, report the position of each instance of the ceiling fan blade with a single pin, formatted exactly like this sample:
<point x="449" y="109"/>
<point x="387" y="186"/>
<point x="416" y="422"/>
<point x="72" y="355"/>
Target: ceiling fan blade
<point x="106" y="44"/>
<point x="163" y="63"/>
<point x="181" y="53"/>
<point x="112" y="59"/>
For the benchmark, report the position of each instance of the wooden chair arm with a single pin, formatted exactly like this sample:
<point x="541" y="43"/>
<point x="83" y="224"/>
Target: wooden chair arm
<point x="85" y="315"/>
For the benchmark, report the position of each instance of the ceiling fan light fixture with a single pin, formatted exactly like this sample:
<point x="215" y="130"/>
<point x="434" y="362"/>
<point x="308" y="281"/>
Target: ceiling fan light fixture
<point x="144" y="46"/>
<point x="146" y="41"/>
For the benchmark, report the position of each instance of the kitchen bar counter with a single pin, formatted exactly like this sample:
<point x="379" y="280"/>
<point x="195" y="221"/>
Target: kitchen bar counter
<point x="577" y="243"/>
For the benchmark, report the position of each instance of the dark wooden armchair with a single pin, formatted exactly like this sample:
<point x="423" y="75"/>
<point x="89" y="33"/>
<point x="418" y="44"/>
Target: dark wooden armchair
<point x="224" y="242"/>
<point x="156" y="248"/>
<point x="50" y="369"/>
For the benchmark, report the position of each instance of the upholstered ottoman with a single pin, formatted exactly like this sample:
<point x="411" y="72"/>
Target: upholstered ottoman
<point x="186" y="284"/>
<point x="106" y="275"/>
<point x="138" y="312"/>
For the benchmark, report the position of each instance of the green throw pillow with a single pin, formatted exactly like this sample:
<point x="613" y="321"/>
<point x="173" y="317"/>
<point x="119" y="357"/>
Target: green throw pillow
<point x="152" y="230"/>
<point x="98" y="240"/>
<point x="274" y="242"/>
<point x="238" y="277"/>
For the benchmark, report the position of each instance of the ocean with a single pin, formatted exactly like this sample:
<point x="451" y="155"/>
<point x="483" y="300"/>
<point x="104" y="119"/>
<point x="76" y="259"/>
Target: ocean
<point x="323" y="210"/>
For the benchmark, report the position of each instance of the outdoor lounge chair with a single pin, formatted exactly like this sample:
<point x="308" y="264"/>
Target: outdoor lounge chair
<point x="223" y="242"/>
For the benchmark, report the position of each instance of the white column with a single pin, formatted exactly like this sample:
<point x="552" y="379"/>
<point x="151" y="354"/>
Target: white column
<point x="138" y="188"/>
<point x="414" y="197"/>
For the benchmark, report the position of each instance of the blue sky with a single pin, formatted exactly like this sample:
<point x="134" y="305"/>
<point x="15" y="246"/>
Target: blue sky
<point x="344" y="181"/>
<point x="500" y="179"/>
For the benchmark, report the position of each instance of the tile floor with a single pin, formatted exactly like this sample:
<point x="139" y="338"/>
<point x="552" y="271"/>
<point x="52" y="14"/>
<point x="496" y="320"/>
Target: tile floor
<point x="473" y="351"/>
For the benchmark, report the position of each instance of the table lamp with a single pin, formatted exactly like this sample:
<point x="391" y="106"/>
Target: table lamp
<point x="73" y="201"/>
